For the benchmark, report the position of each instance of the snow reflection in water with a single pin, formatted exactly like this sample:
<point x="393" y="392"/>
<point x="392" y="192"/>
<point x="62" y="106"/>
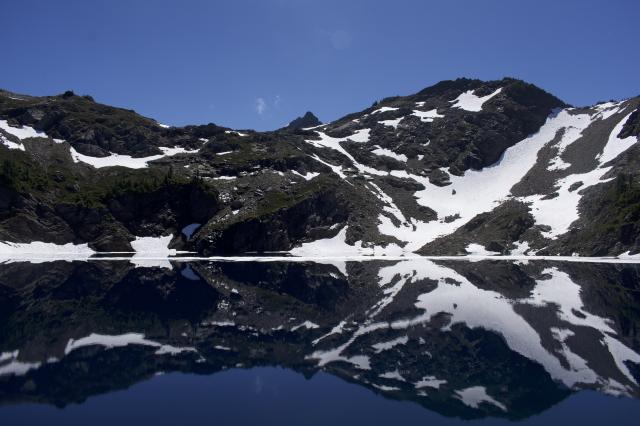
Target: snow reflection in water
<point x="466" y="339"/>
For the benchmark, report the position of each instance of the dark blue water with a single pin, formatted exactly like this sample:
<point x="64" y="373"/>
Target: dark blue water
<point x="276" y="396"/>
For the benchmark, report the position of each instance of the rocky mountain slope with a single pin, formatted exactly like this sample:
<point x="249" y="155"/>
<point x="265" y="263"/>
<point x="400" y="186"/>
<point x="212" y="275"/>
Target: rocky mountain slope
<point x="461" y="167"/>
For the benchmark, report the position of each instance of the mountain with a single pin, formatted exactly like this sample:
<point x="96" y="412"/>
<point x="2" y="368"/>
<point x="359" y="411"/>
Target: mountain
<point x="465" y="166"/>
<point x="306" y="121"/>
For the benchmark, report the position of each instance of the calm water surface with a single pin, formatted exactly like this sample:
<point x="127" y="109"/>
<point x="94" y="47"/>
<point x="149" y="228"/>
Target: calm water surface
<point x="378" y="342"/>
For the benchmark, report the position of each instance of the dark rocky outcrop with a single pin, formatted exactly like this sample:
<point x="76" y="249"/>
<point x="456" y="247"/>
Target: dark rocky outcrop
<point x="276" y="229"/>
<point x="632" y="125"/>
<point x="496" y="230"/>
<point x="307" y="120"/>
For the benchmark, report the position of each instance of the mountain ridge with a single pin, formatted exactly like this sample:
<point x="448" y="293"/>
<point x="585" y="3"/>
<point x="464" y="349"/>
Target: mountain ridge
<point x="458" y="164"/>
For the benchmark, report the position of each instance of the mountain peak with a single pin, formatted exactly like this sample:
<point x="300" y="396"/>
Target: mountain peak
<point x="307" y="120"/>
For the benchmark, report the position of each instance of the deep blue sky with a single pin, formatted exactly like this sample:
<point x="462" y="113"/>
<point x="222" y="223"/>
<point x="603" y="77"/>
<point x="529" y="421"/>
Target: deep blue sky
<point x="211" y="61"/>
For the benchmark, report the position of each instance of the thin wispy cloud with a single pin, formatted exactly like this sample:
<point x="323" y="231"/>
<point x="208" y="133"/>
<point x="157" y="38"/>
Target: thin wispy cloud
<point x="260" y="105"/>
<point x="277" y="101"/>
<point x="340" y="39"/>
<point x="337" y="39"/>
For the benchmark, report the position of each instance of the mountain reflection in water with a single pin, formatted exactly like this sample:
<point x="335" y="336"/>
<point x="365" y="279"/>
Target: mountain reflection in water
<point x="462" y="339"/>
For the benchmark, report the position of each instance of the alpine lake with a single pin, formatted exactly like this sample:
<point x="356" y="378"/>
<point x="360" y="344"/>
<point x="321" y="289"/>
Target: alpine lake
<point x="319" y="341"/>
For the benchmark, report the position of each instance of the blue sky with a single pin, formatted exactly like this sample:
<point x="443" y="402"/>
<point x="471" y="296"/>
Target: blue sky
<point x="258" y="64"/>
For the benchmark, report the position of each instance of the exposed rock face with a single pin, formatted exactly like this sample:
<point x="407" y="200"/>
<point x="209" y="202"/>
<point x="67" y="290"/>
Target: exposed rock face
<point x="495" y="230"/>
<point x="632" y="126"/>
<point x="307" y="120"/>
<point x="311" y="217"/>
<point x="465" y="162"/>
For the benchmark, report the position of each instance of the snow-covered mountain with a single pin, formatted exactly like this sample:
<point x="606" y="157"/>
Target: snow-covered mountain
<point x="465" y="166"/>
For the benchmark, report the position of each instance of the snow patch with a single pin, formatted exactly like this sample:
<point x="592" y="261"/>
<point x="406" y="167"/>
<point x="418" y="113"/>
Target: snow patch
<point x="479" y="250"/>
<point x="385" y="346"/>
<point x="152" y="252"/>
<point x="626" y="255"/>
<point x="308" y="176"/>
<point x="127" y="161"/>
<point x="389" y="153"/>
<point x="385" y="388"/>
<point x="391" y="123"/>
<point x="476" y="395"/>
<point x="427" y="116"/>
<point x="429" y="382"/>
<point x="392" y="375"/>
<point x="621" y="354"/>
<point x="38" y="252"/>
<point x="153" y="245"/>
<point x="383" y="109"/>
<point x="470" y="102"/>
<point x="522" y="247"/>
<point x="18" y="368"/>
<point x="307" y="324"/>
<point x="122" y="340"/>
<point x="10" y="144"/>
<point x="360" y="136"/>
<point x="23" y="132"/>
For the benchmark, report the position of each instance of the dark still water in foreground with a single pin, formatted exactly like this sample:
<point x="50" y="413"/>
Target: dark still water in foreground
<point x="379" y="342"/>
